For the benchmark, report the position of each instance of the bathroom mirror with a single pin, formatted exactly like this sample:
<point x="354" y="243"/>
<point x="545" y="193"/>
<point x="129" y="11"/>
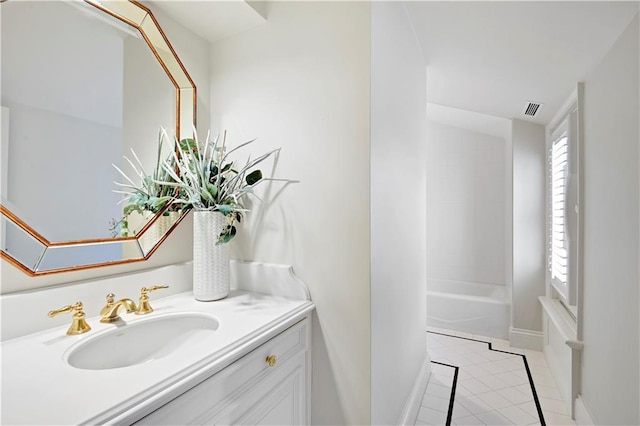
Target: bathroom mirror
<point x="83" y="82"/>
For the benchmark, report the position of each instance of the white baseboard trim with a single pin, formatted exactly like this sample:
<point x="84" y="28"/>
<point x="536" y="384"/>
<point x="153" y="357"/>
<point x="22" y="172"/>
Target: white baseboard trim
<point x="583" y="416"/>
<point x="526" y="339"/>
<point x="412" y="406"/>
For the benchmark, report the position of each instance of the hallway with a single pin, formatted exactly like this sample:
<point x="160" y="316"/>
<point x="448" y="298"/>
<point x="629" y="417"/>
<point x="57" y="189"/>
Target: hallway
<point x="478" y="380"/>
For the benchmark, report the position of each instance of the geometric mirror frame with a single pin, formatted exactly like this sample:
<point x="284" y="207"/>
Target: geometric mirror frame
<point x="35" y="255"/>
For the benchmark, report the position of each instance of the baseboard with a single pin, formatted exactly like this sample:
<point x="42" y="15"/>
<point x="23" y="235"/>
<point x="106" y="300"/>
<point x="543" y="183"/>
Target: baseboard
<point x="412" y="406"/>
<point x="526" y="339"/>
<point x="583" y="416"/>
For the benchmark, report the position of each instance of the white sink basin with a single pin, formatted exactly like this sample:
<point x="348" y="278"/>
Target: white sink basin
<point x="142" y="341"/>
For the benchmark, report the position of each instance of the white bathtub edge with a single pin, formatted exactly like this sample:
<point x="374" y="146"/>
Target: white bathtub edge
<point x="526" y="339"/>
<point x="483" y="299"/>
<point x="488" y="290"/>
<point x="412" y="406"/>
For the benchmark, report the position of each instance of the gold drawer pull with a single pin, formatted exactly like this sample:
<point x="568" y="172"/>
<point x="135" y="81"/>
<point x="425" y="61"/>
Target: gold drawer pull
<point x="271" y="360"/>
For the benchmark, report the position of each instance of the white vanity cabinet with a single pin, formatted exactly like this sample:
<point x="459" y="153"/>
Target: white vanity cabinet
<point x="251" y="390"/>
<point x="214" y="375"/>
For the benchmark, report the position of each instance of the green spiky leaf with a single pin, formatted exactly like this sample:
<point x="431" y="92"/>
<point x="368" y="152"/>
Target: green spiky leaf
<point x="212" y="189"/>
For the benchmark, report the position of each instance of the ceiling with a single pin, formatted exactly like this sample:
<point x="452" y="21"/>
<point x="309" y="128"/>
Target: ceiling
<point x="493" y="56"/>
<point x="214" y="20"/>
<point x="489" y="57"/>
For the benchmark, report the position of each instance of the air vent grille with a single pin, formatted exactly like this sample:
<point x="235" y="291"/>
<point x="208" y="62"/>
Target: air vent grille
<point x="532" y="108"/>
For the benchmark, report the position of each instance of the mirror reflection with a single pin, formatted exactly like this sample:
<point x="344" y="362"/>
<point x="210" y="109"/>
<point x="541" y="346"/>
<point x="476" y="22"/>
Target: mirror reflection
<point x="79" y="90"/>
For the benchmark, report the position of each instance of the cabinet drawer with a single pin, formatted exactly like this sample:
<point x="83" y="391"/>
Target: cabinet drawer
<point x="279" y="400"/>
<point x="226" y="387"/>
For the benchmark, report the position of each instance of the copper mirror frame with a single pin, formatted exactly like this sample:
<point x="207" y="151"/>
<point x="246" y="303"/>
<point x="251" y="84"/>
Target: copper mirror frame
<point x="147" y="241"/>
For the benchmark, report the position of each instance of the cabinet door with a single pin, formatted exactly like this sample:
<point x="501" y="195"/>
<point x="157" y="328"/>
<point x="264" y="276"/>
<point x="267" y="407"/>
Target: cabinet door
<point x="249" y="391"/>
<point x="278" y="400"/>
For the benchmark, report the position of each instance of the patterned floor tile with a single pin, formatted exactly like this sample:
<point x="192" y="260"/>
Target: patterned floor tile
<point x="486" y="382"/>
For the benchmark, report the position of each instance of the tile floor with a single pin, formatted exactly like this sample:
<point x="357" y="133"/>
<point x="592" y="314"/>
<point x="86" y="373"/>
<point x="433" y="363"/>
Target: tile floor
<point x="489" y="386"/>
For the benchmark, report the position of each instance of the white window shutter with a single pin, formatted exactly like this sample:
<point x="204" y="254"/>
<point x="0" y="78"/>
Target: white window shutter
<point x="558" y="238"/>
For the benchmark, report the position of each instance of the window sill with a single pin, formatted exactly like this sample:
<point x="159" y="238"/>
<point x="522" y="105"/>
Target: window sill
<point x="562" y="321"/>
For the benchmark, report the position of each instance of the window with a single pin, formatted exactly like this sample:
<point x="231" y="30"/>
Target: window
<point x="565" y="218"/>
<point x="558" y="241"/>
<point x="563" y="209"/>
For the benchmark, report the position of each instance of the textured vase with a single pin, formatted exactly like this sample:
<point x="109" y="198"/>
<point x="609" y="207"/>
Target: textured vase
<point x="210" y="260"/>
<point x="157" y="230"/>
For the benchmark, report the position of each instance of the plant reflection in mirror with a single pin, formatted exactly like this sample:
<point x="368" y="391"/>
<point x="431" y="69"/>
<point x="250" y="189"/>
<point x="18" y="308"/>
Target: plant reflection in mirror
<point x="207" y="179"/>
<point x="151" y="194"/>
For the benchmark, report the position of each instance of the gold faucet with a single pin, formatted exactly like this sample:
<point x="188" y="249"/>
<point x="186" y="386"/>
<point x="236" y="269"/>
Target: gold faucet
<point x="79" y="324"/>
<point x="110" y="311"/>
<point x="144" y="307"/>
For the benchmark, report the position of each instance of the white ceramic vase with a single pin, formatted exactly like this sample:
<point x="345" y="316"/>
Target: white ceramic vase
<point x="210" y="260"/>
<point x="157" y="230"/>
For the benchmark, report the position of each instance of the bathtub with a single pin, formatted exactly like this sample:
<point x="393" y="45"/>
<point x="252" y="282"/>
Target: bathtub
<point x="476" y="308"/>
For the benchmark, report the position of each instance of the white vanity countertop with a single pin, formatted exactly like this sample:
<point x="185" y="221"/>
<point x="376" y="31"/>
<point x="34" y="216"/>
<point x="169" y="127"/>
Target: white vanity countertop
<point x="39" y="387"/>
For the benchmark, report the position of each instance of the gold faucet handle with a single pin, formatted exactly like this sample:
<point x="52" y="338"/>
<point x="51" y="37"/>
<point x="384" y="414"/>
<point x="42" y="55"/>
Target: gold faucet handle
<point x="109" y="304"/>
<point x="145" y="290"/>
<point x="79" y="324"/>
<point x="144" y="307"/>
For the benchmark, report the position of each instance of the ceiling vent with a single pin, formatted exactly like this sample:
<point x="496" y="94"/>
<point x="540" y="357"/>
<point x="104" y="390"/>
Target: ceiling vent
<point x="532" y="108"/>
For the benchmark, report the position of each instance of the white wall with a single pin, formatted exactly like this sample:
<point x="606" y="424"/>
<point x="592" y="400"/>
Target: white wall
<point x="398" y="208"/>
<point x="301" y="82"/>
<point x="194" y="53"/>
<point x="610" y="370"/>
<point x="529" y="229"/>
<point x="466" y="205"/>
